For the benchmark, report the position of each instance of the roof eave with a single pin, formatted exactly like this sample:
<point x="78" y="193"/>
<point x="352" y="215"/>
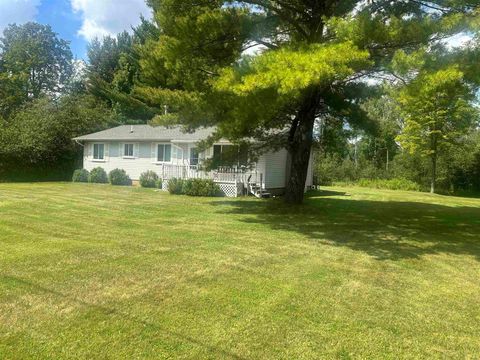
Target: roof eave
<point x="133" y="139"/>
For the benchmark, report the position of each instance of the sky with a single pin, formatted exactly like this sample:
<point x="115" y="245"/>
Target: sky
<point x="77" y="21"/>
<point x="80" y="21"/>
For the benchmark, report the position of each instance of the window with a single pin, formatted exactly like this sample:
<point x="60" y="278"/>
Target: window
<point x="99" y="151"/>
<point x="128" y="150"/>
<point x="230" y="155"/>
<point x="164" y="153"/>
<point x="225" y="152"/>
<point x="194" y="155"/>
<point x="217" y="152"/>
<point x="177" y="153"/>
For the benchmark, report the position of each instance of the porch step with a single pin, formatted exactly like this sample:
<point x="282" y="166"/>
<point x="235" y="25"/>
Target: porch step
<point x="256" y="190"/>
<point x="261" y="195"/>
<point x="264" y="195"/>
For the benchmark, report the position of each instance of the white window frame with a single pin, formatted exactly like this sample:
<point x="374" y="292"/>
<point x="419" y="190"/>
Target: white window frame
<point x="93" y="153"/>
<point x="156" y="153"/>
<point x="221" y="147"/>
<point x="133" y="151"/>
<point x="177" y="150"/>
<point x="190" y="148"/>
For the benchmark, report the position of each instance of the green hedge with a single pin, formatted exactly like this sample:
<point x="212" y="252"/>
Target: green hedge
<point x="119" y="177"/>
<point x="98" y="175"/>
<point x="193" y="187"/>
<point x="80" y="175"/>
<point x="175" y="186"/>
<point x="148" y="179"/>
<point x="200" y="187"/>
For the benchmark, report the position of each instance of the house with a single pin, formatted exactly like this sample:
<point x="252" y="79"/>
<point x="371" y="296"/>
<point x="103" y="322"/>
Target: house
<point x="170" y="152"/>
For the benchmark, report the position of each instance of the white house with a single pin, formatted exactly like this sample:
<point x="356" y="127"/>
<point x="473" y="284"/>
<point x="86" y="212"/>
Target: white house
<point x="171" y="152"/>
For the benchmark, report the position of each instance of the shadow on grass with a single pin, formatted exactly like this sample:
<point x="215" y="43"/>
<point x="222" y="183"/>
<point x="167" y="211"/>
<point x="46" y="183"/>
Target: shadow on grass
<point x="386" y="230"/>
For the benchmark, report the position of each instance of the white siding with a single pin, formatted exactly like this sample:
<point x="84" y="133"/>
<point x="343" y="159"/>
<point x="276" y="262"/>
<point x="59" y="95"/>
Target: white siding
<point x="276" y="169"/>
<point x="272" y="165"/>
<point x="143" y="160"/>
<point x="261" y="166"/>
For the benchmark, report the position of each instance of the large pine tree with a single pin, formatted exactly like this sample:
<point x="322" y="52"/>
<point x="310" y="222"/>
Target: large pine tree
<point x="267" y="69"/>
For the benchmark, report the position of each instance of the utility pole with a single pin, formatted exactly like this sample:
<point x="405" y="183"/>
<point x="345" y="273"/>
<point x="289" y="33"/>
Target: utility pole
<point x="388" y="159"/>
<point x="356" y="151"/>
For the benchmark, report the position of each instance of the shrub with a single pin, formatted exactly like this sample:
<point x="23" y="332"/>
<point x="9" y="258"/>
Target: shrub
<point x="98" y="175"/>
<point x="175" y="186"/>
<point x="119" y="177"/>
<point x="148" y="179"/>
<point x="80" y="175"/>
<point x="159" y="184"/>
<point x="200" y="187"/>
<point x="332" y="168"/>
<point x="325" y="169"/>
<point x="391" y="184"/>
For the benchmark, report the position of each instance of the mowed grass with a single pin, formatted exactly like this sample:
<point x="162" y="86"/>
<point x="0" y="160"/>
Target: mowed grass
<point x="106" y="272"/>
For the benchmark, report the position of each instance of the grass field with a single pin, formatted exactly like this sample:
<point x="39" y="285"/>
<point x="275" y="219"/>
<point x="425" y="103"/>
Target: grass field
<point x="102" y="272"/>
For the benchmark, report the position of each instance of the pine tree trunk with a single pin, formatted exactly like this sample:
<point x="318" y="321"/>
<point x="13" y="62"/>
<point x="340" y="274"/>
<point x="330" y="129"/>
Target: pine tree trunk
<point x="300" y="145"/>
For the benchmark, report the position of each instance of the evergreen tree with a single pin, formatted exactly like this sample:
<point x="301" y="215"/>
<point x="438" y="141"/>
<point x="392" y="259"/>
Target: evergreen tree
<point x="312" y="56"/>
<point x="114" y="69"/>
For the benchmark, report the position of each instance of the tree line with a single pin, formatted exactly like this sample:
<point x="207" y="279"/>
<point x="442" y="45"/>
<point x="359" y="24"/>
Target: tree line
<point x="427" y="132"/>
<point x="283" y="74"/>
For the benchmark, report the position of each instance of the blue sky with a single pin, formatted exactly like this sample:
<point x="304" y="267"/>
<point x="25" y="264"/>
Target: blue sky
<point x="77" y="21"/>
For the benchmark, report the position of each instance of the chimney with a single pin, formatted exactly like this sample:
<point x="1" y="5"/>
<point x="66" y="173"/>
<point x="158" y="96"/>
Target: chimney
<point x="131" y="129"/>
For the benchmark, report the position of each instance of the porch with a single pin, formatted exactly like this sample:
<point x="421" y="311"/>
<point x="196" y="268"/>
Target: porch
<point x="233" y="181"/>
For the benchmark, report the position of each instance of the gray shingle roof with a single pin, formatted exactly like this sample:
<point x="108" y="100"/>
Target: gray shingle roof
<point x="147" y="133"/>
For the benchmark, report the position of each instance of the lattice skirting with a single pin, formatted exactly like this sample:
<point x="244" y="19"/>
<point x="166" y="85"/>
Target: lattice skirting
<point x="165" y="185"/>
<point x="227" y="189"/>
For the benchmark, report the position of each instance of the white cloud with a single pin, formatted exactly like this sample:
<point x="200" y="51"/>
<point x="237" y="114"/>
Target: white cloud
<point x="17" y="11"/>
<point x="108" y="17"/>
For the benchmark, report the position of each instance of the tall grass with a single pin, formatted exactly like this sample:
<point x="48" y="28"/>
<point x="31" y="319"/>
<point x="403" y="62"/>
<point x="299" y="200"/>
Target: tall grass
<point x="390" y="184"/>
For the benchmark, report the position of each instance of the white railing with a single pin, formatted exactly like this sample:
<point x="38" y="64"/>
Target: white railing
<point x="223" y="174"/>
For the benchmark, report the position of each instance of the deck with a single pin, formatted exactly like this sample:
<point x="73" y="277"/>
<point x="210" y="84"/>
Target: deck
<point x="232" y="181"/>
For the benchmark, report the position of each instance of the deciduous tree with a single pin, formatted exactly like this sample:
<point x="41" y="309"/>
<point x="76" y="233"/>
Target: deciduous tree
<point x="34" y="62"/>
<point x="438" y="110"/>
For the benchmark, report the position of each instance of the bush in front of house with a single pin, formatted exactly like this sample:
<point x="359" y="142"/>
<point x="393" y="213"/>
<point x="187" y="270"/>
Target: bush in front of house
<point x="119" y="177"/>
<point x="159" y="184"/>
<point x="200" y="187"/>
<point x="193" y="187"/>
<point x="98" y="176"/>
<point x="148" y="179"/>
<point x="80" y="175"/>
<point x="175" y="186"/>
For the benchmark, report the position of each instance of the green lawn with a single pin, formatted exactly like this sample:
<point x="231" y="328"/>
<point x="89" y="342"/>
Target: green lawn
<point x="105" y="272"/>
